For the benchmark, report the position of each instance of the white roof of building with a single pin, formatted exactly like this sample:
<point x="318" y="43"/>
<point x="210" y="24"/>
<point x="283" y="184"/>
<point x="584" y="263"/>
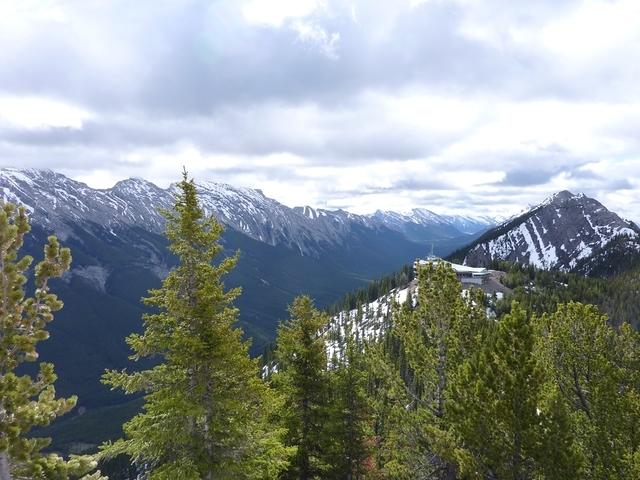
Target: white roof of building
<point x="456" y="267"/>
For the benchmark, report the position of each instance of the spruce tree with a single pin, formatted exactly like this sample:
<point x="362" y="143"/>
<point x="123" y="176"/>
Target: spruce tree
<point x="596" y="370"/>
<point x="302" y="378"/>
<point x="26" y="402"/>
<point x="389" y="377"/>
<point x="506" y="422"/>
<point x="515" y="381"/>
<point x="206" y="411"/>
<point x="350" y="419"/>
<point x="444" y="329"/>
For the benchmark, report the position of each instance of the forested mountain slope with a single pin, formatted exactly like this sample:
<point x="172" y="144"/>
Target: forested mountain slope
<point x="119" y="252"/>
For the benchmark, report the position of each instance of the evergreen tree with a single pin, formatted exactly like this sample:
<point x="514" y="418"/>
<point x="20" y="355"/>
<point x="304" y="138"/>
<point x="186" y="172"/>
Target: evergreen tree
<point x="596" y="371"/>
<point x="396" y="442"/>
<point x="26" y="402"/>
<point x="206" y="411"/>
<point x="350" y="412"/>
<point x="302" y="378"/>
<point x="515" y="381"/>
<point x="506" y="424"/>
<point x="444" y="330"/>
<point x="558" y="456"/>
<point x="426" y="345"/>
<point x="628" y="346"/>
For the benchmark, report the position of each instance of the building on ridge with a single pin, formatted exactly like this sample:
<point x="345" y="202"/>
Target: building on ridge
<point x="465" y="274"/>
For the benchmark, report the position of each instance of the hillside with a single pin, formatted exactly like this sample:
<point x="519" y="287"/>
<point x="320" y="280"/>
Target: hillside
<point x="539" y="290"/>
<point x="566" y="232"/>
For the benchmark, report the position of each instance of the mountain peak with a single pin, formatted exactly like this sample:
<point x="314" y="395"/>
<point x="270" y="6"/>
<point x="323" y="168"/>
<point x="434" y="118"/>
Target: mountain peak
<point x="62" y="203"/>
<point x="135" y="184"/>
<point x="132" y="181"/>
<point x="562" y="233"/>
<point x="30" y="175"/>
<point x="562" y="196"/>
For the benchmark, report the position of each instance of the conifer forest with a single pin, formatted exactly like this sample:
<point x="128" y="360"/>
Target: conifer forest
<point x="542" y="383"/>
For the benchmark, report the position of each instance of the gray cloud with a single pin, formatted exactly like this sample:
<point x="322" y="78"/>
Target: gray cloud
<point x="196" y="83"/>
<point x="526" y="177"/>
<point x="620" y="184"/>
<point x="190" y="58"/>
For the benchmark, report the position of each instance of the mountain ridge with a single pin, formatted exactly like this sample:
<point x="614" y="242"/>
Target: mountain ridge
<point x="562" y="232"/>
<point x="56" y="200"/>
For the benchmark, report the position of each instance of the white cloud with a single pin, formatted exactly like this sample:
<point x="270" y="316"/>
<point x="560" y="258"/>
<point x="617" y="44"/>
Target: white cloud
<point x="37" y="113"/>
<point x="299" y="17"/>
<point x="592" y="30"/>
<point x="326" y="42"/>
<point x="274" y="13"/>
<point x="22" y="14"/>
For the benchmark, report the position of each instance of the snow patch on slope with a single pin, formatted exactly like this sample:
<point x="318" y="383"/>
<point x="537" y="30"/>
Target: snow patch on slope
<point x="558" y="233"/>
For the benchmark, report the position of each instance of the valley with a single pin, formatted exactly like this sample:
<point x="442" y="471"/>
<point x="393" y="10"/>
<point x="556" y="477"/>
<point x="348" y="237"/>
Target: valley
<point x="119" y="253"/>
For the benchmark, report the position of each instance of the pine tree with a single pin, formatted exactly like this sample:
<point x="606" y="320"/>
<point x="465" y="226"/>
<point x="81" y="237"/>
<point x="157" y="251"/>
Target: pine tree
<point x="395" y="444"/>
<point x="206" y="411"/>
<point x="350" y="411"/>
<point x="507" y="425"/>
<point x="442" y="331"/>
<point x="515" y="382"/>
<point x="628" y="346"/>
<point x="558" y="456"/>
<point x="302" y="378"/>
<point x="26" y="402"/>
<point x="596" y="370"/>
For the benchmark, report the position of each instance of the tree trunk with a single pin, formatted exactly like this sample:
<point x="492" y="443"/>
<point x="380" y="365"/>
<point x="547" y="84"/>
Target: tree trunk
<point x="208" y="440"/>
<point x="4" y="466"/>
<point x="208" y="420"/>
<point x="517" y="448"/>
<point x="305" y="467"/>
<point x="584" y="404"/>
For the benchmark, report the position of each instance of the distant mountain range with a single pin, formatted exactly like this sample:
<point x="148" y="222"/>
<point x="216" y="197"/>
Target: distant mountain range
<point x="422" y="225"/>
<point x="60" y="203"/>
<point x="568" y="232"/>
<point x="119" y="252"/>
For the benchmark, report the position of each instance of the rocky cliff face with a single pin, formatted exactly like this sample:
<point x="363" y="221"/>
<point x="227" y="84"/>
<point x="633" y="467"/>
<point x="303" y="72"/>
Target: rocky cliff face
<point x="560" y="233"/>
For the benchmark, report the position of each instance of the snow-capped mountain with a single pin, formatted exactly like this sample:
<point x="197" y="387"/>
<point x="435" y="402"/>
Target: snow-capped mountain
<point x="563" y="232"/>
<point x="420" y="224"/>
<point x="472" y="225"/>
<point x="59" y="202"/>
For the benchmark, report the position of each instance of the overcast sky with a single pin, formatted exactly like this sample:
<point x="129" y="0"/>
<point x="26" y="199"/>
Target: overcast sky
<point x="477" y="107"/>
